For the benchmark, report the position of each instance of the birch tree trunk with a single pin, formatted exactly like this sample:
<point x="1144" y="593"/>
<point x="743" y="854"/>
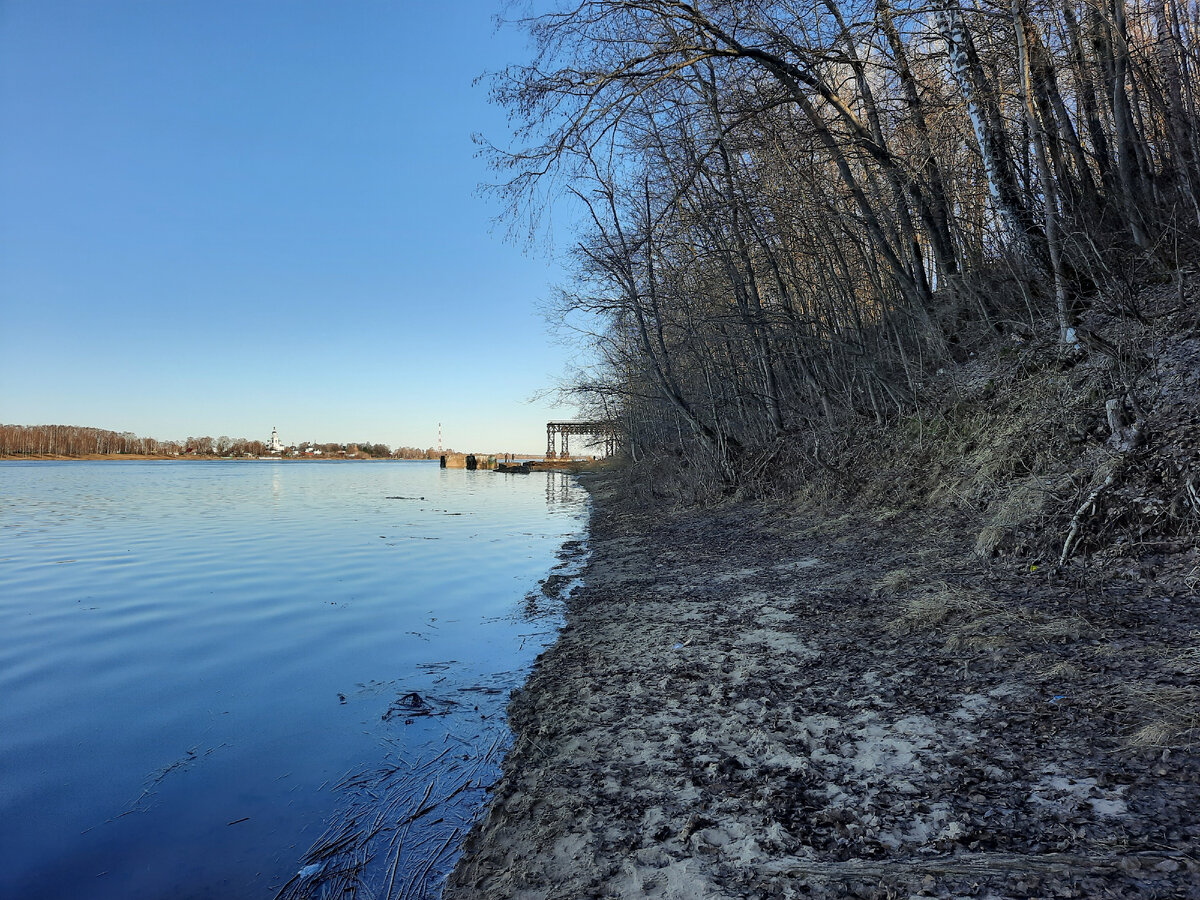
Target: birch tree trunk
<point x="980" y="102"/>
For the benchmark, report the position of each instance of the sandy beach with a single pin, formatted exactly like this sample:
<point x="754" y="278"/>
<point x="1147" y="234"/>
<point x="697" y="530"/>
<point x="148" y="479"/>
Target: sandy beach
<point x="777" y="701"/>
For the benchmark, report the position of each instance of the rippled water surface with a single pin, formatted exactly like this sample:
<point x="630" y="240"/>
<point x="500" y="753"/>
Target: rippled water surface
<point x="195" y="655"/>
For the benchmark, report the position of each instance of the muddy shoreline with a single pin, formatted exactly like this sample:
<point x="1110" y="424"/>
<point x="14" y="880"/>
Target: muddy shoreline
<point x="782" y="702"/>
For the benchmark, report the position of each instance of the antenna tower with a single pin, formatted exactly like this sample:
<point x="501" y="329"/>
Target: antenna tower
<point x="439" y="437"/>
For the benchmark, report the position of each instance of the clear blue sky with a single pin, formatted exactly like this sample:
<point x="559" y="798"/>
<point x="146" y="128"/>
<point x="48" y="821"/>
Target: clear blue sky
<point x="219" y="216"/>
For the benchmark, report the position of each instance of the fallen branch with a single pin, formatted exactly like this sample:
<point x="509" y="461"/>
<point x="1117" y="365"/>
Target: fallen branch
<point x="970" y="864"/>
<point x="1088" y="504"/>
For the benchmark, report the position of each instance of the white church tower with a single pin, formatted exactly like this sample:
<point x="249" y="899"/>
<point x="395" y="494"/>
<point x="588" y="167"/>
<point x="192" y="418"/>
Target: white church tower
<point x="276" y="445"/>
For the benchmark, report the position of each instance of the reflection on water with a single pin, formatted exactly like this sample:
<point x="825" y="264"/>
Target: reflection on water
<point x="204" y="668"/>
<point x="560" y="492"/>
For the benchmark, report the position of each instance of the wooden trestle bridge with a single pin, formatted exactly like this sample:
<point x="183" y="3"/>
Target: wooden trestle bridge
<point x="558" y="436"/>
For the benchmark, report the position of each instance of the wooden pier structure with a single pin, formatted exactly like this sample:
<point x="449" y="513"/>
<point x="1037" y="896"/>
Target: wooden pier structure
<point x="558" y="449"/>
<point x="558" y="435"/>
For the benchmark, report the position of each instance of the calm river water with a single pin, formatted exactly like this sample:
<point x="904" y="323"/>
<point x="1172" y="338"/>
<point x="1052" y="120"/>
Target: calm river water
<point x="227" y="679"/>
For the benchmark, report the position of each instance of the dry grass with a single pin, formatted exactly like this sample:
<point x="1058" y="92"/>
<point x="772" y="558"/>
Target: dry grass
<point x="1163" y="715"/>
<point x="933" y="604"/>
<point x="1024" y="506"/>
<point x="895" y="581"/>
<point x="972" y="620"/>
<point x="976" y="637"/>
<point x="1171" y="714"/>
<point x="1157" y="734"/>
<point x="884" y="514"/>
<point x="825" y="519"/>
<point x="1188" y="662"/>
<point x="1059" y="671"/>
<point x="999" y="626"/>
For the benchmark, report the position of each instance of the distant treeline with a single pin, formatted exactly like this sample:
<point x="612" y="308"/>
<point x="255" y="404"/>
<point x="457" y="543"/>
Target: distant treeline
<point x="75" y="440"/>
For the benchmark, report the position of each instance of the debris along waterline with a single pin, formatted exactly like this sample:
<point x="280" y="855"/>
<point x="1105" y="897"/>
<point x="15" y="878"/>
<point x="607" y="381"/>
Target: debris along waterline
<point x="400" y="825"/>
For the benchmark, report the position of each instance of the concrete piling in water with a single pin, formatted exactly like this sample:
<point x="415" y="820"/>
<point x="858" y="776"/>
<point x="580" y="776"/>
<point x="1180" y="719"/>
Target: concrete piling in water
<point x="468" y="461"/>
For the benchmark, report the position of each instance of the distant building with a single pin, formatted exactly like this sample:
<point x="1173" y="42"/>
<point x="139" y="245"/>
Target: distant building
<point x="276" y="445"/>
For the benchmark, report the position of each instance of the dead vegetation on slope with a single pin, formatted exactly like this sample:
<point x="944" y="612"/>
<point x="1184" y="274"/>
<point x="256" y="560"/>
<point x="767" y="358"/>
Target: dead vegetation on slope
<point x="1084" y="458"/>
<point x="1056" y="476"/>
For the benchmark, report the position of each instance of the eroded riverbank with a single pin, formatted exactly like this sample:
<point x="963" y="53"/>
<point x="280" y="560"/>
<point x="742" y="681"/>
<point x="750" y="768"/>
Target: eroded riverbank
<point x="755" y="702"/>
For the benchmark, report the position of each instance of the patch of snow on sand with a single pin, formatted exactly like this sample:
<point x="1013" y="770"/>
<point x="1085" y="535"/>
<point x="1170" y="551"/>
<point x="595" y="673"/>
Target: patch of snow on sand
<point x="885" y="749"/>
<point x="972" y="707"/>
<point x="792" y="565"/>
<point x="814" y="728"/>
<point x="667" y="879"/>
<point x="921" y="829"/>
<point x="779" y="642"/>
<point x="1063" y="791"/>
<point x="796" y="565"/>
<point x="768" y="616"/>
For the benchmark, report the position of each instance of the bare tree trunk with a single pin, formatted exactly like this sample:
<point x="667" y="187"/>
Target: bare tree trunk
<point x="939" y="207"/>
<point x="1181" y="146"/>
<point x="1087" y="96"/>
<point x="1022" y="27"/>
<point x="978" y="95"/>
<point x="1055" y="114"/>
<point x="1124" y="130"/>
